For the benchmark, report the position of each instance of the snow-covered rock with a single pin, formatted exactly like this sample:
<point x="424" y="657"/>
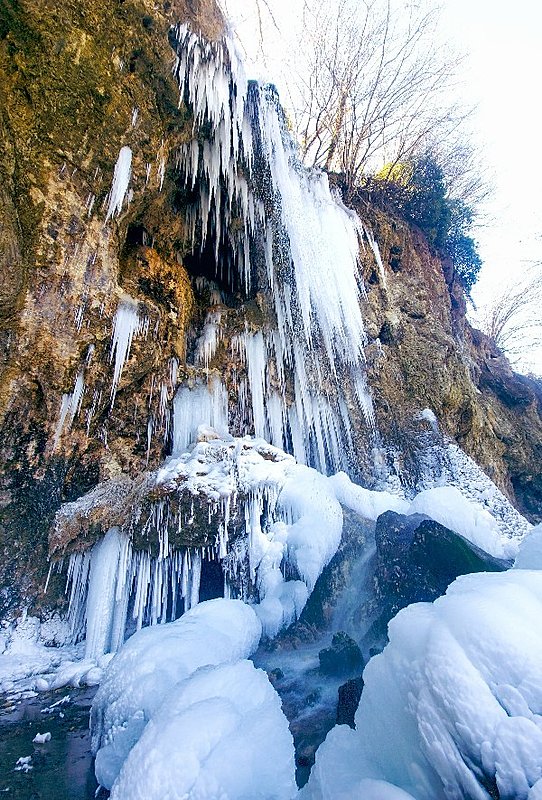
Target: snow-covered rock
<point x="447" y="505"/>
<point x="149" y="665"/>
<point x="365" y="502"/>
<point x="221" y="734"/>
<point x="452" y="708"/>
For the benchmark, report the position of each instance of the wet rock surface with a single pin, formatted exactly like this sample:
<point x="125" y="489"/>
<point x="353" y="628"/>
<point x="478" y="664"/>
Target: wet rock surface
<point x="418" y="558"/>
<point x="342" y="657"/>
<point x="349" y="697"/>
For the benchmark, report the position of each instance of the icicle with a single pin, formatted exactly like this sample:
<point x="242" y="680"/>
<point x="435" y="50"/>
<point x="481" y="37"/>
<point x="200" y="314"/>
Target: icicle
<point x="70" y="405"/>
<point x="121" y="180"/>
<point x="307" y="240"/>
<point x="192" y="408"/>
<point x="126" y="325"/>
<point x="209" y="339"/>
<point x="101" y="600"/>
<point x="192" y="598"/>
<point x="373" y="244"/>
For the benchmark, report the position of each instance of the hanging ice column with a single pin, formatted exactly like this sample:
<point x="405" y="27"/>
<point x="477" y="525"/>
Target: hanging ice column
<point x="113" y="587"/>
<point x="276" y="227"/>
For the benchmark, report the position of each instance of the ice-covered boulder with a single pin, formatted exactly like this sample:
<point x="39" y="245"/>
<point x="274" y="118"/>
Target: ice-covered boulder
<point x="453" y="706"/>
<point x="219" y="735"/>
<point x="149" y="665"/>
<point x="470" y="519"/>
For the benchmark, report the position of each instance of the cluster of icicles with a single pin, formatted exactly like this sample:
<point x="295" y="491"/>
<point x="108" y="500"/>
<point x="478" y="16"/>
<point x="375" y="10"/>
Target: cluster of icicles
<point x="295" y="239"/>
<point x="276" y="227"/>
<point x="112" y="587"/>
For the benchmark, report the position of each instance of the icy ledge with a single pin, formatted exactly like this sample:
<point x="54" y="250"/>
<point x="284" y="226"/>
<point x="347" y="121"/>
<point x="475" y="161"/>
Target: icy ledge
<point x="262" y="515"/>
<point x="452" y="707"/>
<point x="265" y="516"/>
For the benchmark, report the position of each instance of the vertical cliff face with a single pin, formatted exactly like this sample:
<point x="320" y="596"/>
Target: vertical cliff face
<point x="111" y="298"/>
<point x="79" y="82"/>
<point x="424" y="354"/>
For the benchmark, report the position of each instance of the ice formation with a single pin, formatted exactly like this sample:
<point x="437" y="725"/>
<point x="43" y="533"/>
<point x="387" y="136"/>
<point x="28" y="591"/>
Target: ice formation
<point x="451" y="708"/>
<point x="202" y="405"/>
<point x="445" y="464"/>
<point x="150" y="665"/>
<point x="70" y="405"/>
<point x="271" y="523"/>
<point x="266" y="516"/>
<point x="121" y="181"/>
<point x="126" y="325"/>
<point x="113" y="587"/>
<point x="286" y="228"/>
<point x="530" y="550"/>
<point x="220" y="733"/>
<point x="447" y="505"/>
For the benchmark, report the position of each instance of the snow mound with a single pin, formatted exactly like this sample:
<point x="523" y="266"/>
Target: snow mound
<point x="151" y="662"/>
<point x="220" y="734"/>
<point x="446" y="504"/>
<point x="530" y="551"/>
<point x="452" y="708"/>
<point x="365" y="502"/>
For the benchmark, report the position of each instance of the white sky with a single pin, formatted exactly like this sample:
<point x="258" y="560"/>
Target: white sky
<point x="503" y="78"/>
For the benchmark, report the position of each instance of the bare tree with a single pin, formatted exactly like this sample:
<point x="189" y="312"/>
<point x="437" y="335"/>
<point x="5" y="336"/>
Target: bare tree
<point x="513" y="319"/>
<point x="370" y="78"/>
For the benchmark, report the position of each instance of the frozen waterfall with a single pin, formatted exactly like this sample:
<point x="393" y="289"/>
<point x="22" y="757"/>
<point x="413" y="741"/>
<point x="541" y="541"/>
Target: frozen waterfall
<point x="290" y="236"/>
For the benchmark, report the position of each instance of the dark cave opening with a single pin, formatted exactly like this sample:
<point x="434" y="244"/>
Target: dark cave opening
<point x="212" y="579"/>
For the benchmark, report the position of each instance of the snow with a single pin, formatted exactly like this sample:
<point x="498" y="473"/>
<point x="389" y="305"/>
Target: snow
<point x="149" y="665"/>
<point x="221" y="734"/>
<point x="453" y="704"/>
<point x="530" y="550"/>
<point x="41" y="738"/>
<point x="121" y="181"/>
<point x="368" y="504"/>
<point x="443" y="463"/>
<point x="447" y="505"/>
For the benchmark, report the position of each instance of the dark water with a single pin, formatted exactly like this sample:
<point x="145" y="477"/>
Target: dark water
<point x="63" y="767"/>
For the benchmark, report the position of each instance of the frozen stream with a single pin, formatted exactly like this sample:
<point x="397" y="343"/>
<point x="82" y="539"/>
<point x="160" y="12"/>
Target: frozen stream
<point x="62" y="768"/>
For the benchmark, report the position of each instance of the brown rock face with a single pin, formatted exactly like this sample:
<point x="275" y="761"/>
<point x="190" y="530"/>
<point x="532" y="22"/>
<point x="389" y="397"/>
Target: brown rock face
<point x="425" y="354"/>
<point x="78" y="82"/>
